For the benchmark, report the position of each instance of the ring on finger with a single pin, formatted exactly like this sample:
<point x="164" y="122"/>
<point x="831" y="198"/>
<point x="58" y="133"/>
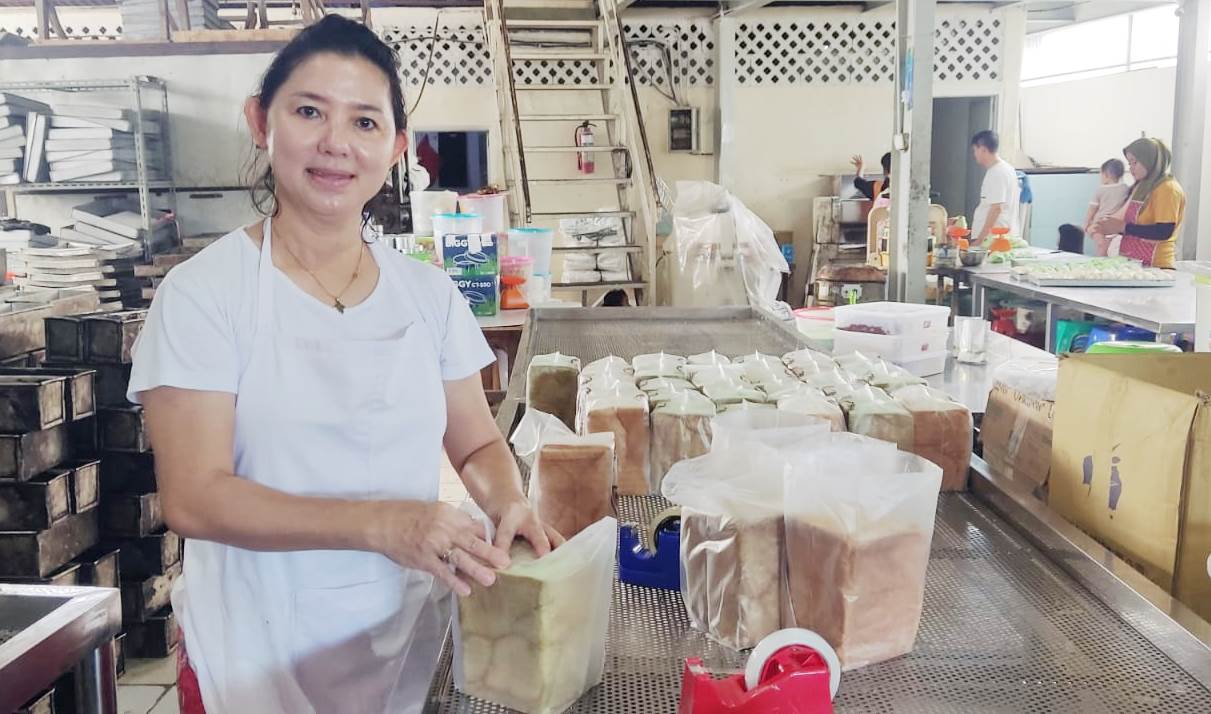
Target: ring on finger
<point x="448" y="555"/>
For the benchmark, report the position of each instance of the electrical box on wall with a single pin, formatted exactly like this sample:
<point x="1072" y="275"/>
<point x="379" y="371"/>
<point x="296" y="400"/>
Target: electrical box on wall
<point x="685" y="130"/>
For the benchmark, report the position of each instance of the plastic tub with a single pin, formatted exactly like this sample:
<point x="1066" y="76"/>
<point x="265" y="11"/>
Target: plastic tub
<point x="926" y="365"/>
<point x="891" y="347"/>
<point x="456" y="223"/>
<point x="815" y="322"/>
<point x="535" y="243"/>
<point x="493" y="208"/>
<point x="891" y="318"/>
<point x="425" y="204"/>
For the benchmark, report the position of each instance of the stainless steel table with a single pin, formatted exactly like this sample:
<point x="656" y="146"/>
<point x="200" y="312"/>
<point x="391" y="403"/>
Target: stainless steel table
<point x="969" y="384"/>
<point x="1023" y="613"/>
<point x="46" y="630"/>
<point x="1165" y="311"/>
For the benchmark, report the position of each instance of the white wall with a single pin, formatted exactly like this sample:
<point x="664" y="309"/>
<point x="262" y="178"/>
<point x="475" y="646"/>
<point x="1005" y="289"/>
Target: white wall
<point x="1085" y="122"/>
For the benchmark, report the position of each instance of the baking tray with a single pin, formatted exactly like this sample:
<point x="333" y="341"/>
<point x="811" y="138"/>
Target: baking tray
<point x="1082" y="283"/>
<point x="1018" y="618"/>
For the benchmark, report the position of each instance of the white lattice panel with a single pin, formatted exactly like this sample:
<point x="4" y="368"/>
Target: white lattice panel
<point x="459" y="54"/>
<point x="846" y="50"/>
<point x="76" y="31"/>
<point x="968" y="49"/>
<point x="689" y="44"/>
<point x="538" y="72"/>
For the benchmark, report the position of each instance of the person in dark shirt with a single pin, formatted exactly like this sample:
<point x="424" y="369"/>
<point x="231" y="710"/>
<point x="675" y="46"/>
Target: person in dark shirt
<point x="1072" y="239"/>
<point x="872" y="189"/>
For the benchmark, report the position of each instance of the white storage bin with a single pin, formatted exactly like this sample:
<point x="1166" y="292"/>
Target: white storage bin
<point x="895" y="348"/>
<point x="890" y="318"/>
<point x="926" y="365"/>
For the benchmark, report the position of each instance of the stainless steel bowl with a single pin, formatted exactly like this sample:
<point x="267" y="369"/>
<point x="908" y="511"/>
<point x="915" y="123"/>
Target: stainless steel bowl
<point x="973" y="256"/>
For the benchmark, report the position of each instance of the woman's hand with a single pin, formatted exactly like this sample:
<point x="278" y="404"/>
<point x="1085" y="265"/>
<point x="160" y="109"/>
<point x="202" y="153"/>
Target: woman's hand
<point x="439" y="539"/>
<point x="517" y="518"/>
<point x="1110" y="226"/>
<point x="857" y="162"/>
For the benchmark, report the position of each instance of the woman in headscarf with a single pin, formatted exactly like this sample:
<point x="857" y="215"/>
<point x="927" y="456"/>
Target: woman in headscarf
<point x="1149" y="221"/>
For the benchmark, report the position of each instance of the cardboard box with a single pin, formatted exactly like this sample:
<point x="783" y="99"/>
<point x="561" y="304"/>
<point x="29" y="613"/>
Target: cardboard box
<point x="473" y="254"/>
<point x="1016" y="433"/>
<point x="1131" y="462"/>
<point x="480" y="293"/>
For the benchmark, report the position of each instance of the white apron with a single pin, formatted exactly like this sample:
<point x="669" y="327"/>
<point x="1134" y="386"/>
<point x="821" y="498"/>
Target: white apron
<point x="323" y="631"/>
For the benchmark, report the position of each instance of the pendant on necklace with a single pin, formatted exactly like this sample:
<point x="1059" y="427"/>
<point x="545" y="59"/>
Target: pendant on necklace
<point x="340" y="306"/>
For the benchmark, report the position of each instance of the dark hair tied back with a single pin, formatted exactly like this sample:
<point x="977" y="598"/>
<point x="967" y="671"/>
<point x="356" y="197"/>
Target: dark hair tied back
<point x="334" y="35"/>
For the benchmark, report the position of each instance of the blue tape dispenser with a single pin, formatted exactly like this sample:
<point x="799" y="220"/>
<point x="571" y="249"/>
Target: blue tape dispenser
<point x="656" y="568"/>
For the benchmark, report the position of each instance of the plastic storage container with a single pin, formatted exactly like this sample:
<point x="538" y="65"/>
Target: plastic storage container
<point x="890" y="318"/>
<point x="896" y="348"/>
<point x="427" y="203"/>
<point x="493" y="208"/>
<point x="457" y="223"/>
<point x="535" y="243"/>
<point x="515" y="272"/>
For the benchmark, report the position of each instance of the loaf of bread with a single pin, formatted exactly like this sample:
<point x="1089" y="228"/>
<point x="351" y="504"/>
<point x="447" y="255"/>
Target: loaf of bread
<point x="572" y="484"/>
<point x="625" y="415"/>
<point x="942" y="432"/>
<point x="863" y="596"/>
<point x="657" y="365"/>
<point x="813" y="403"/>
<point x="552" y="386"/>
<point x="535" y="640"/>
<point x="870" y="411"/>
<point x="732" y="575"/>
<point x="709" y="358"/>
<point x="681" y="429"/>
<point x="804" y="362"/>
<point x="615" y="366"/>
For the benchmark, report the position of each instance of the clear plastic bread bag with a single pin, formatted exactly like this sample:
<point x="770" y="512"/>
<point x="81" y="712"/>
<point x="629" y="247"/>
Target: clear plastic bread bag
<point x="731" y="542"/>
<point x="571" y="477"/>
<point x="535" y="641"/>
<point x="870" y="411"/>
<point x="625" y="415"/>
<point x="859" y="519"/>
<point x="942" y="432"/>
<point x="681" y="430"/>
<point x="552" y="382"/>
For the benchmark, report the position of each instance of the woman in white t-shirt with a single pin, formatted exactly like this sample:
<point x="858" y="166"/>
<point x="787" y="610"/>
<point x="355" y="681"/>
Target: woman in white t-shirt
<point x="300" y="381"/>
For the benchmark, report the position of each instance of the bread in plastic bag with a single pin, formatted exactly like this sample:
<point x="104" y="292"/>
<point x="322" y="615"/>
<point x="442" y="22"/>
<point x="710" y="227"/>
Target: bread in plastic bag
<point x="727" y="392"/>
<point x="746" y="406"/>
<point x="737" y="430"/>
<point x="807" y="361"/>
<point x="552" y="386"/>
<point x="859" y="522"/>
<point x="813" y="403"/>
<point x="856" y="365"/>
<point x="664" y="390"/>
<point x="709" y="358"/>
<point x="571" y="477"/>
<point x="581" y="276"/>
<point x="888" y="376"/>
<point x="942" y="432"/>
<point x="1034" y="378"/>
<point x="870" y="411"/>
<point x="832" y="382"/>
<point x="580" y="262"/>
<point x="705" y="375"/>
<point x="535" y="640"/>
<point x="681" y="429"/>
<point x="625" y="415"/>
<point x="731" y="542"/>
<point x="653" y="366"/>
<point x="610" y="365"/>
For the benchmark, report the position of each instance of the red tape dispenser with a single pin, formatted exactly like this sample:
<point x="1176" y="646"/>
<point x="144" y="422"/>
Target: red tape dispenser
<point x="791" y="671"/>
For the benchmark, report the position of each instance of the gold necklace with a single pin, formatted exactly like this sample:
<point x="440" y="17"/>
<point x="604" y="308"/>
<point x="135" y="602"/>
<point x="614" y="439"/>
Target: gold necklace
<point x="336" y="298"/>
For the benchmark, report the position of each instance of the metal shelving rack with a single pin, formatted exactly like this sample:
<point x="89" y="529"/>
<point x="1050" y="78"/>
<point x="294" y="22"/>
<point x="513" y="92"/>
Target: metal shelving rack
<point x="138" y="86"/>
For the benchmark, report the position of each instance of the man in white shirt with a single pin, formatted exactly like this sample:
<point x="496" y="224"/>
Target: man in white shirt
<point x="999" y="194"/>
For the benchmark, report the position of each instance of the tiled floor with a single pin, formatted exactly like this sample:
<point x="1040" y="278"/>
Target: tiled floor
<point x="149" y="686"/>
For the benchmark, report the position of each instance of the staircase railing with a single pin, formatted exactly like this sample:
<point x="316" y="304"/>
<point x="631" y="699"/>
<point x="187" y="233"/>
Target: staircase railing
<point x="496" y="33"/>
<point x="643" y="176"/>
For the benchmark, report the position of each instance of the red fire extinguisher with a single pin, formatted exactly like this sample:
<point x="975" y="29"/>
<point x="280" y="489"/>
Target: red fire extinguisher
<point x="584" y="159"/>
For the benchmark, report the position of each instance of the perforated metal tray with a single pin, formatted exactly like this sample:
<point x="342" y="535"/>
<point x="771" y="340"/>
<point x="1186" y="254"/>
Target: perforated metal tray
<point x="1011" y="620"/>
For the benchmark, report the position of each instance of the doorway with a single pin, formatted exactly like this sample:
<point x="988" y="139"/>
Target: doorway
<point x="954" y="175"/>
